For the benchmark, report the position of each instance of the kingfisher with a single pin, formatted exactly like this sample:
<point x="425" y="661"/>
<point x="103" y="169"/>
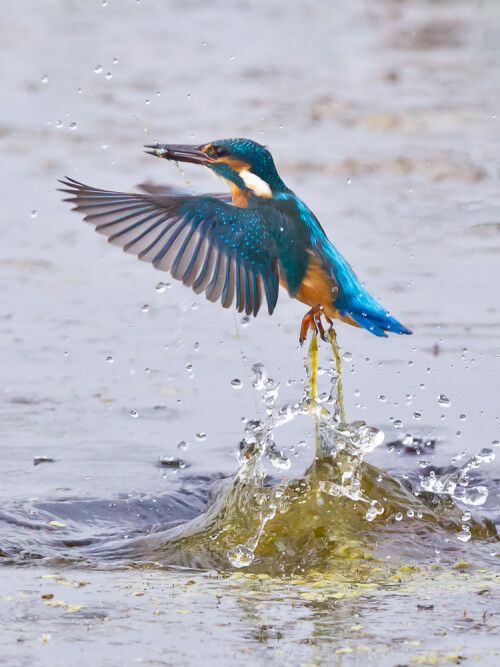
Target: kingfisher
<point x="238" y="246"/>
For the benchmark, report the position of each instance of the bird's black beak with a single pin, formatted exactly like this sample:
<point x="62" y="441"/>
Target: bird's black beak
<point x="179" y="153"/>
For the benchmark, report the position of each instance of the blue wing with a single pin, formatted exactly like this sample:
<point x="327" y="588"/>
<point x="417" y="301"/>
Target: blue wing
<point x="165" y="189"/>
<point x="204" y="241"/>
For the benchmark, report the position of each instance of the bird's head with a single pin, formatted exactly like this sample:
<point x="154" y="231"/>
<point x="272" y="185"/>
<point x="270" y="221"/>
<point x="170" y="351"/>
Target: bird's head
<point x="242" y="162"/>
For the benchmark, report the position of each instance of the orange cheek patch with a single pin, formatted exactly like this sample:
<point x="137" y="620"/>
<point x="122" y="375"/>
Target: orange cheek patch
<point x="236" y="165"/>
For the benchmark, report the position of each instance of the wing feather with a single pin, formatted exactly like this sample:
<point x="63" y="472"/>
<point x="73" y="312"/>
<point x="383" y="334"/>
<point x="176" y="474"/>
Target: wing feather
<point x="229" y="284"/>
<point x="212" y="246"/>
<point x="214" y="290"/>
<point x="248" y="294"/>
<point x="203" y="280"/>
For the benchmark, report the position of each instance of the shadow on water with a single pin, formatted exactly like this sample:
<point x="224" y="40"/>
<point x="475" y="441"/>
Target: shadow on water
<point x="342" y="515"/>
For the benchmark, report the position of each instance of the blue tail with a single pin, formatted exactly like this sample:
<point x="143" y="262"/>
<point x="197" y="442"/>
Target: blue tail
<point x="354" y="300"/>
<point x="370" y="315"/>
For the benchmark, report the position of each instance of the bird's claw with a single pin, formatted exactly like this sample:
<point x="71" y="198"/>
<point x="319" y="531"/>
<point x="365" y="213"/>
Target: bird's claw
<point x="312" y="320"/>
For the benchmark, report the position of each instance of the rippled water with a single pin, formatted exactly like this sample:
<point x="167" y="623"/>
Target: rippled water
<point x="129" y="399"/>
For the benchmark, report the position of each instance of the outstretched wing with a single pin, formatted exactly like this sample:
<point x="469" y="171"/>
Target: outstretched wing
<point x="210" y="245"/>
<point x="156" y="189"/>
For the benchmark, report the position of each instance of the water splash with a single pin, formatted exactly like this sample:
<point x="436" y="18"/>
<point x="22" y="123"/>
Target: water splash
<point x="342" y="517"/>
<point x="456" y="484"/>
<point x="340" y="508"/>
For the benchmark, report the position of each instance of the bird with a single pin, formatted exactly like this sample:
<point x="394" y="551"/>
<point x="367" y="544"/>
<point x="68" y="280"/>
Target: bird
<point x="239" y="246"/>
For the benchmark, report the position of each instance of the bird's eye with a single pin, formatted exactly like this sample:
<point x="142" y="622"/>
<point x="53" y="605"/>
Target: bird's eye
<point x="219" y="151"/>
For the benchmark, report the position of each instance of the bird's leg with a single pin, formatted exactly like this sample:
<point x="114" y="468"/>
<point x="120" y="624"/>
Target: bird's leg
<point x="312" y="320"/>
<point x="338" y="365"/>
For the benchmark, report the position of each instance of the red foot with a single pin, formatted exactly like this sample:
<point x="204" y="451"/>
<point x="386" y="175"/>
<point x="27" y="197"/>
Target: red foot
<point x="312" y="320"/>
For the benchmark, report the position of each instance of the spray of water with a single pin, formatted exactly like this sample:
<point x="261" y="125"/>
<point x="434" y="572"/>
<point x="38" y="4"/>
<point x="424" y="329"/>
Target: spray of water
<point x="341" y="510"/>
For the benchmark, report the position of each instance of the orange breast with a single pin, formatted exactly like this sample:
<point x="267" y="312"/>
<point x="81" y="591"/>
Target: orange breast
<point x="240" y="197"/>
<point x="318" y="289"/>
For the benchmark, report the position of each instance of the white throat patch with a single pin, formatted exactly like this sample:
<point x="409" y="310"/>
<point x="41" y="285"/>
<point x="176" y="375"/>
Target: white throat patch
<point x="255" y="183"/>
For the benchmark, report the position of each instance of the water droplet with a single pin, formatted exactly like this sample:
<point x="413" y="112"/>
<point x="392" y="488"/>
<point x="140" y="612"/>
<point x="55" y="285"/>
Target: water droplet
<point x="417" y="415"/>
<point x="259" y="376"/>
<point x="466" y="516"/>
<point x="245" y="321"/>
<point x="371" y="514"/>
<point x="134" y="414"/>
<point x="189" y="367"/>
<point x="98" y="69"/>
<point x="398" y="423"/>
<point x="485" y="455"/>
<point x="108" y="75"/>
<point x="278" y="459"/>
<point x="115" y="61"/>
<point x="182" y="445"/>
<point x="240" y="556"/>
<point x="232" y="58"/>
<point x="398" y="516"/>
<point x="109" y="360"/>
<point x="374" y="510"/>
<point x="347" y="356"/>
<point x="59" y="124"/>
<point x="33" y="213"/>
<point x="382" y="398"/>
<point x="464" y="535"/>
<point x="73" y="126"/>
<point x="237" y="384"/>
<point x="171" y="462"/>
<point x="44" y="79"/>
<point x="194" y="306"/>
<point x="161" y="287"/>
<point x="463" y="417"/>
<point x="200" y="436"/>
<point x="475" y="495"/>
<point x="348" y="181"/>
<point x="145" y="308"/>
<point x="410" y="514"/>
<point x="444" y="401"/>
<point x="148" y="101"/>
